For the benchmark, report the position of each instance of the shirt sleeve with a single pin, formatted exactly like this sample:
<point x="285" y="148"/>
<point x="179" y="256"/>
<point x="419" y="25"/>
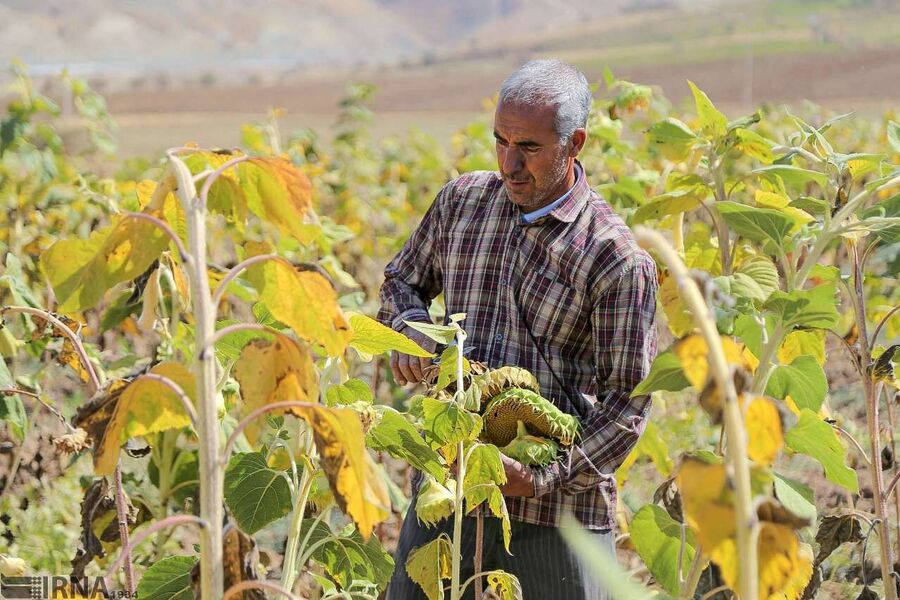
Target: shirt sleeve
<point x="413" y="277"/>
<point x="623" y="324"/>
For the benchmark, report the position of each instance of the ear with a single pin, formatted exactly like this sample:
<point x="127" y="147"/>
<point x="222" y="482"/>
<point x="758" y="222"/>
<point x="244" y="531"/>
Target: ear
<point x="576" y="142"/>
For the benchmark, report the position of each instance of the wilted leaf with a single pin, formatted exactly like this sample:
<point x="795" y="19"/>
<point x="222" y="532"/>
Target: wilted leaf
<point x="168" y="579"/>
<point x="399" y="438"/>
<point x="505" y="585"/>
<point x="301" y="298"/>
<point x="81" y="271"/>
<point x="371" y="337"/>
<point x="835" y="530"/>
<point x="274" y="371"/>
<point x="678" y="316"/>
<point x="676" y="201"/>
<point x="428" y="565"/>
<point x="752" y="144"/>
<point x="803" y="380"/>
<point x="357" y="485"/>
<point x="134" y="409"/>
<point x="785" y="565"/>
<point x="814" y="437"/>
<point x="657" y="540"/>
<point x="255" y="494"/>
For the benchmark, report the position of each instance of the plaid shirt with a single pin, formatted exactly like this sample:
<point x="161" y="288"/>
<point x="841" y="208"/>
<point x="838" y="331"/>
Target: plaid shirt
<point x="570" y="297"/>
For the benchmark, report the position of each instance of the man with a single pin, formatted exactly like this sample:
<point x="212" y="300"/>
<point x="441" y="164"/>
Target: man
<point x="553" y="281"/>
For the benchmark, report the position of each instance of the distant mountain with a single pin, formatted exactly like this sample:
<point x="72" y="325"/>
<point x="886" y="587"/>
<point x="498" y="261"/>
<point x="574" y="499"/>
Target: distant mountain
<point x="139" y="36"/>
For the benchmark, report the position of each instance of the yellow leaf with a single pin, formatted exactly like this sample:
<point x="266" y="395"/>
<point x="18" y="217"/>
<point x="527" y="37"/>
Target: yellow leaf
<point x="135" y="409"/>
<point x="765" y="435"/>
<point x="771" y="199"/>
<point x="303" y="299"/>
<point x="358" y="487"/>
<point x="784" y="567"/>
<point x="278" y="192"/>
<point x="801" y="342"/>
<point x="69" y="357"/>
<point x="693" y="353"/>
<point x="679" y="318"/>
<point x="371" y="337"/>
<point x="274" y="371"/>
<point x="81" y="271"/>
<point x="707" y="501"/>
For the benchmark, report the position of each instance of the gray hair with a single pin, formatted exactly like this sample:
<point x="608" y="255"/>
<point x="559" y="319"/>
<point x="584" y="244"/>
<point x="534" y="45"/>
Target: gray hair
<point x="551" y="82"/>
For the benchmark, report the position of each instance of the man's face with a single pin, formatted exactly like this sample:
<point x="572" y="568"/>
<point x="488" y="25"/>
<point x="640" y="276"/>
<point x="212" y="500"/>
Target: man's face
<point x="533" y="161"/>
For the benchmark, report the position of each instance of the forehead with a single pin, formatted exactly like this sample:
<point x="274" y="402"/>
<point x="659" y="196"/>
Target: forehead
<point x="520" y="121"/>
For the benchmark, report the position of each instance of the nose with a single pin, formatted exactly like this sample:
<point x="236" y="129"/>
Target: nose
<point x="512" y="160"/>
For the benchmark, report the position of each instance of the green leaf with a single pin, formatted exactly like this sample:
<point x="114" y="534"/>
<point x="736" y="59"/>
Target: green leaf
<point x="484" y="467"/>
<point x="81" y="271"/>
<point x="446" y="423"/>
<point x="447" y="372"/>
<point x="742" y="286"/>
<point x="796" y="497"/>
<point x="428" y="565"/>
<point x="816" y="438"/>
<point x="893" y="136"/>
<point x="665" y="374"/>
<point x="371" y="337"/>
<point x="680" y="200"/>
<point x="674" y="139"/>
<point x="399" y="438"/>
<point x="349" y="392"/>
<point x="347" y="557"/>
<point x="791" y="174"/>
<point x="763" y="271"/>
<point x="442" y="334"/>
<point x="168" y="579"/>
<point x="255" y="494"/>
<point x="803" y="380"/>
<point x="14" y="278"/>
<point x="657" y="538"/>
<point x="712" y="122"/>
<point x="753" y="144"/>
<point x="764" y="225"/>
<point x="889" y="208"/>
<point x="12" y="409"/>
<point x="814" y="308"/>
<point x="813" y="206"/>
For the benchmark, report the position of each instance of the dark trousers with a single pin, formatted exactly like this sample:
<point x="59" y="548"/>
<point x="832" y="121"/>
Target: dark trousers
<point x="545" y="565"/>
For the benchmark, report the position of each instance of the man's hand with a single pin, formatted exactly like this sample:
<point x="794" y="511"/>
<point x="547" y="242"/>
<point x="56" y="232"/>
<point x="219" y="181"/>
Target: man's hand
<point x="519" y="479"/>
<point x="409" y="369"/>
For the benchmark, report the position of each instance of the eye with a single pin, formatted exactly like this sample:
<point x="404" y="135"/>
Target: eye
<point x="531" y="149"/>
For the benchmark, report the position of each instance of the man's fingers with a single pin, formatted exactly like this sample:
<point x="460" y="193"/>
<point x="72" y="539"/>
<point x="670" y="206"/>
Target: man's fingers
<point x="395" y="369"/>
<point x="416" y="368"/>
<point x="406" y="369"/>
<point x="424" y="363"/>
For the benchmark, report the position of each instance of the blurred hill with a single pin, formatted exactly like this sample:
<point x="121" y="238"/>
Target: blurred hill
<point x="130" y="37"/>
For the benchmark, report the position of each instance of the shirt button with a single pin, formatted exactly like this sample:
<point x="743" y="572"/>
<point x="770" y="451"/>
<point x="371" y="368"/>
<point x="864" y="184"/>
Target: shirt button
<point x="499" y="337"/>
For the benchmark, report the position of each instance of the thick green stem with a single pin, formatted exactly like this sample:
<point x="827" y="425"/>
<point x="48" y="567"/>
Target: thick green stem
<point x="693" y="579"/>
<point x="736" y="452"/>
<point x="722" y="233"/>
<point x="767" y="360"/>
<point x="211" y="475"/>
